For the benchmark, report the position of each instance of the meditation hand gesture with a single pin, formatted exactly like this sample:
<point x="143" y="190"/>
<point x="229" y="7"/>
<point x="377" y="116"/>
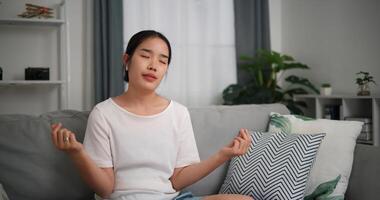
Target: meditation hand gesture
<point x="64" y="140"/>
<point x="238" y="146"/>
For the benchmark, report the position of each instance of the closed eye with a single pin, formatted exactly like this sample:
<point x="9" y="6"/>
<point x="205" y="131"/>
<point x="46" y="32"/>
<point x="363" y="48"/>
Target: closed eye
<point x="144" y="56"/>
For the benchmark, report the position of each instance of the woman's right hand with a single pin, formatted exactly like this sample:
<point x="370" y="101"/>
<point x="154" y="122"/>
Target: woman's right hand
<point x="64" y="140"/>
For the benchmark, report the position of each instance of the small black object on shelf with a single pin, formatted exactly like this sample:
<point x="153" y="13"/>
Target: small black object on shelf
<point x="37" y="73"/>
<point x="332" y="112"/>
<point x="1" y="74"/>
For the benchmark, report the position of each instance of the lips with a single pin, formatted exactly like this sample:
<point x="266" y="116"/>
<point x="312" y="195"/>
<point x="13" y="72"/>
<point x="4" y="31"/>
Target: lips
<point x="149" y="77"/>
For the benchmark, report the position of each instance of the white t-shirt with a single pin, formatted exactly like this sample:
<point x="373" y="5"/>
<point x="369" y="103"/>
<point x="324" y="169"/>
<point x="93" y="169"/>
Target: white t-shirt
<point x="143" y="150"/>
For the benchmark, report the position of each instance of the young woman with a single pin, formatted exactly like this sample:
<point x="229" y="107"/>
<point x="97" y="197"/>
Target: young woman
<point x="140" y="145"/>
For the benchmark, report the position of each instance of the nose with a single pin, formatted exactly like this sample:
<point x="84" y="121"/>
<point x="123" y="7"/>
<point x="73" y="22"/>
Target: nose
<point x="152" y="65"/>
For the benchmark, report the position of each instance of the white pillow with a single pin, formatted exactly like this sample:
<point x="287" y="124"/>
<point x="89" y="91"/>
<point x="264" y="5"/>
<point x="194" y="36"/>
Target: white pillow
<point x="336" y="153"/>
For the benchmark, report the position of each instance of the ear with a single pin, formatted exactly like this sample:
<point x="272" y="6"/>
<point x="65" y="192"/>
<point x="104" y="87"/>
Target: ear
<point x="125" y="59"/>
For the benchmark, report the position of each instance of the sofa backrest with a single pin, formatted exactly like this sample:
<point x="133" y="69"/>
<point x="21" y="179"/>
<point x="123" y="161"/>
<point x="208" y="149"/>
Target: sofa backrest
<point x="215" y="126"/>
<point x="30" y="166"/>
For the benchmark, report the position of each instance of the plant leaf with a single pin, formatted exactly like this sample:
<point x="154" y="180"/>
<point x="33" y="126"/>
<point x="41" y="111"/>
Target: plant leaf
<point x="294" y="109"/>
<point x="323" y="190"/>
<point x="293" y="91"/>
<point x="302" y="81"/>
<point x="287" y="58"/>
<point x="287" y="66"/>
<point x="231" y="93"/>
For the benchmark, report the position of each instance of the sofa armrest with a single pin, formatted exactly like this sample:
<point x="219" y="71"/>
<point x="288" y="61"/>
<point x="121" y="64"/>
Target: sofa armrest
<point x="365" y="176"/>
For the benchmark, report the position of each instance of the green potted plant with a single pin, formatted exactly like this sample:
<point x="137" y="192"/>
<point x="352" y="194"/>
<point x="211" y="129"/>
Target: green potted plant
<point x="363" y="79"/>
<point x="326" y="89"/>
<point x="263" y="70"/>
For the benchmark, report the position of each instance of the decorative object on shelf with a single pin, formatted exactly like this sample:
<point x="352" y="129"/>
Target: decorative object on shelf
<point x="263" y="71"/>
<point x="366" y="132"/>
<point x="1" y="74"/>
<point x="326" y="89"/>
<point x="363" y="79"/>
<point x="33" y="10"/>
<point x="36" y="73"/>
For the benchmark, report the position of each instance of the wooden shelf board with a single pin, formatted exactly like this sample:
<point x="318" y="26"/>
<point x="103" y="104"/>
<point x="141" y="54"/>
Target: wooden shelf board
<point x="33" y="21"/>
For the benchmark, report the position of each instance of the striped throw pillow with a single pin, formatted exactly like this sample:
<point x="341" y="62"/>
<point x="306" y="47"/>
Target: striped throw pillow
<point x="276" y="166"/>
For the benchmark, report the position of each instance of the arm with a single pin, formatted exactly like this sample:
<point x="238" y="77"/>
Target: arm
<point x="185" y="176"/>
<point x="101" y="180"/>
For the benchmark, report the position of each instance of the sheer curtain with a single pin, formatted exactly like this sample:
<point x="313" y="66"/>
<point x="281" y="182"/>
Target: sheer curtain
<point x="202" y="36"/>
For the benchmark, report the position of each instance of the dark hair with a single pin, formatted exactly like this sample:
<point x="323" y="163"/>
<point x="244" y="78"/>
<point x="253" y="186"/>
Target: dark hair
<point x="140" y="37"/>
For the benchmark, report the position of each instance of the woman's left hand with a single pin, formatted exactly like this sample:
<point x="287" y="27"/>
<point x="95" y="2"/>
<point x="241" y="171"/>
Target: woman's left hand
<point x="238" y="146"/>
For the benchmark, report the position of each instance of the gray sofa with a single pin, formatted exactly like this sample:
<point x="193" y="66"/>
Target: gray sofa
<point x="31" y="168"/>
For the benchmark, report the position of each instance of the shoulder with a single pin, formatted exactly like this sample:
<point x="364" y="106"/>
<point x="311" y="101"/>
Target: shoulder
<point x="101" y="108"/>
<point x="104" y="105"/>
<point x="179" y="108"/>
<point x="181" y="113"/>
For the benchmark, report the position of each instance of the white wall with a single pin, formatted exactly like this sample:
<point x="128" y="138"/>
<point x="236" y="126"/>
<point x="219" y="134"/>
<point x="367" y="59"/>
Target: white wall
<point x="336" y="38"/>
<point x="35" y="46"/>
<point x="275" y="22"/>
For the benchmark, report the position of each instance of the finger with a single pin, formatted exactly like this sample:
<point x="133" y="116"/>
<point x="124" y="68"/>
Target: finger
<point x="245" y="134"/>
<point x="56" y="126"/>
<point x="72" y="138"/>
<point x="241" y="132"/>
<point x="55" y="134"/>
<point x="66" y="138"/>
<point x="247" y="137"/>
<point x="235" y="147"/>
<point x="59" y="138"/>
<point x="61" y="135"/>
<point x="242" y="144"/>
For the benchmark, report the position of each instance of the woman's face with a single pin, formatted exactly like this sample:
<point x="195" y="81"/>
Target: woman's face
<point x="148" y="64"/>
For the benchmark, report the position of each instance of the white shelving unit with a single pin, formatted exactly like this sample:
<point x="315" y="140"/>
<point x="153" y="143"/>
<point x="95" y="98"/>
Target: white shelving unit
<point x="32" y="22"/>
<point x="62" y="27"/>
<point x="10" y="83"/>
<point x="350" y="106"/>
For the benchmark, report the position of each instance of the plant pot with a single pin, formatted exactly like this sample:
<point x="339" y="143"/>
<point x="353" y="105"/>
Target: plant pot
<point x="326" y="91"/>
<point x="364" y="90"/>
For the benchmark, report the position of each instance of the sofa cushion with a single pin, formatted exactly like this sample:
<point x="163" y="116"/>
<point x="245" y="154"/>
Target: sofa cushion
<point x="30" y="166"/>
<point x="336" y="153"/>
<point x="215" y="126"/>
<point x="276" y="166"/>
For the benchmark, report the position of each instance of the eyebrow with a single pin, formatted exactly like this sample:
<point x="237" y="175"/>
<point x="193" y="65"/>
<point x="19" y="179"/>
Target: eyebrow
<point x="150" y="51"/>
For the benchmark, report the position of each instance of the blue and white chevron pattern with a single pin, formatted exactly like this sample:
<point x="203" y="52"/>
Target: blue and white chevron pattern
<point x="276" y="166"/>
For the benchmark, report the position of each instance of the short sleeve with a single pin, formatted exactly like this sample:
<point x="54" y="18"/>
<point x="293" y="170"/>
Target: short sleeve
<point x="188" y="151"/>
<point x="97" y="140"/>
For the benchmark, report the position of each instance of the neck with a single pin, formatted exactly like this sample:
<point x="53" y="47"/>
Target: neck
<point x="139" y="97"/>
